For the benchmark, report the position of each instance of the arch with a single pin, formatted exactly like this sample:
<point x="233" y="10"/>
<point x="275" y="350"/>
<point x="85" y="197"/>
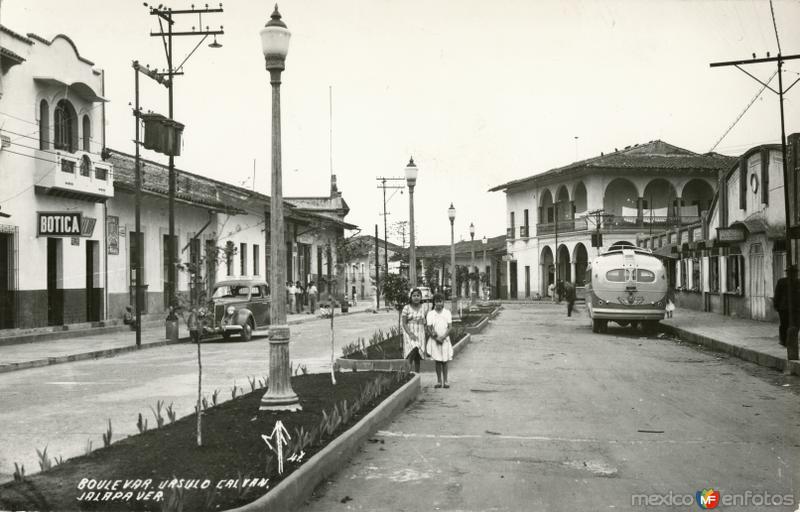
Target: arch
<point x="563" y="203"/>
<point x="546" y="198"/>
<point x="86" y="131"/>
<point x="619" y="193"/>
<point x="581" y="259"/>
<point x="546" y="269"/>
<point x="659" y="194"/>
<point x="562" y="196"/>
<point x="44" y="125"/>
<point x="65" y="129"/>
<point x="564" y="268"/>
<point x="699" y="193"/>
<point x="546" y="207"/>
<point x="579" y="198"/>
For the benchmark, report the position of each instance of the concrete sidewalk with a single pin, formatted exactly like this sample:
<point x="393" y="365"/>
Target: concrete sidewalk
<point x="106" y="344"/>
<point x="749" y="340"/>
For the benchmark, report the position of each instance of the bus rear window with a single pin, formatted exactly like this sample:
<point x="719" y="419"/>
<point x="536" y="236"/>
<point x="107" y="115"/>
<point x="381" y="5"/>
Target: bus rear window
<point x="617" y="275"/>
<point x="645" y="276"/>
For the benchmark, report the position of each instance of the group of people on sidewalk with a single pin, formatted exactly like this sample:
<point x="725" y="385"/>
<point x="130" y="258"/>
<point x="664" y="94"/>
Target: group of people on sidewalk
<point x="426" y="334"/>
<point x="298" y="297"/>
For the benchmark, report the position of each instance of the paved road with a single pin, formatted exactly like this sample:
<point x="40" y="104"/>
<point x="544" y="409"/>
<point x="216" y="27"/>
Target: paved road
<point x="545" y="415"/>
<point x="63" y="406"/>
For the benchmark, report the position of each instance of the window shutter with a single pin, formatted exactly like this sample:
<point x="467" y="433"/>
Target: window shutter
<point x="743" y="183"/>
<point x="765" y="175"/>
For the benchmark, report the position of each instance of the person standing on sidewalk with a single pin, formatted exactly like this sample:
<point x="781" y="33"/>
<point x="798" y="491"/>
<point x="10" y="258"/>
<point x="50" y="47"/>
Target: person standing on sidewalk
<point x="413" y="322"/>
<point x="569" y="295"/>
<point x="298" y="297"/>
<point x="312" y="296"/>
<point x="780" y="302"/>
<point x="440" y="323"/>
<point x="551" y="290"/>
<point x="291" y="289"/>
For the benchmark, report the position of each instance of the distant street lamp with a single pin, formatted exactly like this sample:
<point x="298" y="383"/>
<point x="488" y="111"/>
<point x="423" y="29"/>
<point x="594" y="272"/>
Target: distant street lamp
<point x="411" y="180"/>
<point x="472" y="267"/>
<point x="451" y="214"/>
<point x="484" y="263"/>
<point x="279" y="396"/>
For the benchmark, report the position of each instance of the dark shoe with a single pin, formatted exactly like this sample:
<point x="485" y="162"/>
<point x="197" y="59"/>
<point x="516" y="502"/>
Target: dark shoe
<point x="446" y="386"/>
<point x="437" y="386"/>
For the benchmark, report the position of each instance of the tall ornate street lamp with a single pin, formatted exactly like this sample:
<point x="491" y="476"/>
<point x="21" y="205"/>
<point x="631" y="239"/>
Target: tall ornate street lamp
<point x="451" y="214"/>
<point x="280" y="396"/>
<point x="484" y="265"/>
<point x="472" y="264"/>
<point x="411" y="180"/>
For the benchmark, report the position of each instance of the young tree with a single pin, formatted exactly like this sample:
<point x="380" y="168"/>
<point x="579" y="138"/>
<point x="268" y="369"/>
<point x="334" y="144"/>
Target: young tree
<point x="395" y="287"/>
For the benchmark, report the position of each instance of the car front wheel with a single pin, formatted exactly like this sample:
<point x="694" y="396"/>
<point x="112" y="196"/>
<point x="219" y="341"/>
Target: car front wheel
<point x="247" y="332"/>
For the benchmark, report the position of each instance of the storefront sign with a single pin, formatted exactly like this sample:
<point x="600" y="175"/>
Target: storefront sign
<point x="112" y="231"/>
<point x="59" y="224"/>
<point x="730" y="235"/>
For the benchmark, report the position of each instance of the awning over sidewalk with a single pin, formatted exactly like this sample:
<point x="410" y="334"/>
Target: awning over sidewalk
<point x="668" y="251"/>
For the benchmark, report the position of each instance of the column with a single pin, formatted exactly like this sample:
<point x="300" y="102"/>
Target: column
<point x="640" y="211"/>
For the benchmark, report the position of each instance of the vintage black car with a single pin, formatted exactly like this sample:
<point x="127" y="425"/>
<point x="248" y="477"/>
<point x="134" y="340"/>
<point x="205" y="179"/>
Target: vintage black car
<point x="239" y="306"/>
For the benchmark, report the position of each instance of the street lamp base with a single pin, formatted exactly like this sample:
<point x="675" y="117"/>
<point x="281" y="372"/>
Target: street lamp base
<point x="289" y="403"/>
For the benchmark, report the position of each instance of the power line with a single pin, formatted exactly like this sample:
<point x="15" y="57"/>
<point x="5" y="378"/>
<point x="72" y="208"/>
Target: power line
<point x="758" y="94"/>
<point x="775" y="25"/>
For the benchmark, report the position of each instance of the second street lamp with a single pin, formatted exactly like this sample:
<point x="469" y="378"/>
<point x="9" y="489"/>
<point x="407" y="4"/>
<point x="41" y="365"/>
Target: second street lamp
<point x="411" y="180"/>
<point x="279" y="396"/>
<point x="484" y="267"/>
<point x="472" y="263"/>
<point x="451" y="214"/>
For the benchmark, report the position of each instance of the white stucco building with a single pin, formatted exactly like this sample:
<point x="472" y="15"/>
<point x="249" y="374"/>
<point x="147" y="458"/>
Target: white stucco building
<point x="553" y="215"/>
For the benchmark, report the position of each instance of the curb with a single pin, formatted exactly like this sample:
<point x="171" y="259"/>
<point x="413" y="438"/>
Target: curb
<point x="97" y="354"/>
<point x="298" y="486"/>
<point x="110" y="352"/>
<point x="393" y="365"/>
<point x="746" y="354"/>
<point x="67" y="333"/>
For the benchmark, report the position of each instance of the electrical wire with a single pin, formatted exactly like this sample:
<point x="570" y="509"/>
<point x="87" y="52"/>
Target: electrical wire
<point x="739" y="117"/>
<point x="775" y="25"/>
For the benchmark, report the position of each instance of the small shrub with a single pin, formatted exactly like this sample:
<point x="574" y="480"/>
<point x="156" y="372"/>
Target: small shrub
<point x="141" y="424"/>
<point x="234" y="391"/>
<point x="87" y="449"/>
<point x="19" y="472"/>
<point x="304" y="369"/>
<point x="214" y="397"/>
<point x="44" y="459"/>
<point x="58" y="460"/>
<point x="252" y="381"/>
<point x="205" y="403"/>
<point x="173" y="499"/>
<point x="157" y="413"/>
<point x="171" y="413"/>
<point x="107" y="434"/>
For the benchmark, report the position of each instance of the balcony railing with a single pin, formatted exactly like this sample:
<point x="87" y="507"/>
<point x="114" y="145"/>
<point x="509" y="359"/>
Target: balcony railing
<point x="509" y="232"/>
<point x="632" y="222"/>
<point x="564" y="226"/>
<point x="523" y="232"/>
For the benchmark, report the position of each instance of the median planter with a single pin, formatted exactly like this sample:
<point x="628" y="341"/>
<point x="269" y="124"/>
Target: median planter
<point x="164" y="469"/>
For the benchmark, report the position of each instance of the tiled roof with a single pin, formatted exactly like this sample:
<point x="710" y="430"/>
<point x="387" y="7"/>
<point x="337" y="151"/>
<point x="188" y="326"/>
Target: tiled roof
<point x="463" y="247"/>
<point x="653" y="156"/>
<point x="6" y="53"/>
<point x="15" y="35"/>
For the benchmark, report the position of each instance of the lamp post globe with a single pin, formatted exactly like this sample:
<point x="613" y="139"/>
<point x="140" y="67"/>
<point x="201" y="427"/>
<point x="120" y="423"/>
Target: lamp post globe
<point x="451" y="214"/>
<point x="411" y="172"/>
<point x="279" y="396"/>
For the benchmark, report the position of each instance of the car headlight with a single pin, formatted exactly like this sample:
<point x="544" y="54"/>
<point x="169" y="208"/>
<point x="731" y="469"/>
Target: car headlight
<point x="231" y="310"/>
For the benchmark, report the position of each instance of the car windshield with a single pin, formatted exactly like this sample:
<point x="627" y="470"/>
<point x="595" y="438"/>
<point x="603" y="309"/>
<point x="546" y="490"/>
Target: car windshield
<point x="227" y="291"/>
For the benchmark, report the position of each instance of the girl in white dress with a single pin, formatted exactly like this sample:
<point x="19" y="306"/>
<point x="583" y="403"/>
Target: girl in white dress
<point x="440" y="323"/>
<point x="413" y="321"/>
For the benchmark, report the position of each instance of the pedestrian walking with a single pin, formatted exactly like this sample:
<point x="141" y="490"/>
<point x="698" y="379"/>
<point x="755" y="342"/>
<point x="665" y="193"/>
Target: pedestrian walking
<point x="292" y="291"/>
<point x="440" y="323"/>
<point x="413" y="321"/>
<point x="551" y="291"/>
<point x="780" y="301"/>
<point x="196" y="324"/>
<point x="569" y="295"/>
<point x="312" y="296"/>
<point x="559" y="290"/>
<point x="298" y="296"/>
<point x="129" y="318"/>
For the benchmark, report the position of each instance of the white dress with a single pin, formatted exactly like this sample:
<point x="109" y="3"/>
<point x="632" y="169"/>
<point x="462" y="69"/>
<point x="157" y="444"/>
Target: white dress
<point x="415" y="318"/>
<point x="438" y="322"/>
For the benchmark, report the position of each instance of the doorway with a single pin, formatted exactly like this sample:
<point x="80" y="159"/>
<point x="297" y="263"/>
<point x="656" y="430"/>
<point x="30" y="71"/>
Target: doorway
<point x="527" y="282"/>
<point x="55" y="295"/>
<point x="512" y="277"/>
<point x="758" y="300"/>
<point x="94" y="295"/>
<point x="6" y="275"/>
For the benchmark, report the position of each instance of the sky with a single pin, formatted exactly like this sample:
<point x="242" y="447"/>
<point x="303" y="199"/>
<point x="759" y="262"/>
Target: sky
<point x="479" y="93"/>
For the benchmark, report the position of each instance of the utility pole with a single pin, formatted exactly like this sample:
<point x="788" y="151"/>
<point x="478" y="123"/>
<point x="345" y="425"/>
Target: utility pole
<point x="377" y="273"/>
<point x="166" y="14"/>
<point x="384" y="186"/>
<point x="555" y="211"/>
<point x="791" y="335"/>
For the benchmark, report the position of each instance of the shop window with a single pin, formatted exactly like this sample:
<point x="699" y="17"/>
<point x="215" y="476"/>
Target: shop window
<point x="734" y="278"/>
<point x="229" y="250"/>
<point x="256" y="260"/>
<point x="697" y="283"/>
<point x="713" y="274"/>
<point x="242" y="259"/>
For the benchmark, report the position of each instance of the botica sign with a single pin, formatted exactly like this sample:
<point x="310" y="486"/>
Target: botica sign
<point x="59" y="223"/>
